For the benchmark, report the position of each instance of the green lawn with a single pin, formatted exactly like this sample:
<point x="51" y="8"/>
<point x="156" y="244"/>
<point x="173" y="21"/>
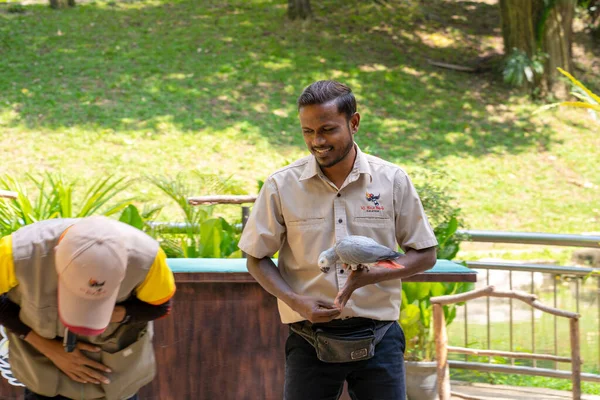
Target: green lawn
<point x="154" y="87"/>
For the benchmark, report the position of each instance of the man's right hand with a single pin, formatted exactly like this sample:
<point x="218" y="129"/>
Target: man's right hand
<point x="315" y="310"/>
<point x="75" y="364"/>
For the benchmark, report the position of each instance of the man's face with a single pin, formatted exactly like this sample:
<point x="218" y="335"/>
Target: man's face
<point x="327" y="133"/>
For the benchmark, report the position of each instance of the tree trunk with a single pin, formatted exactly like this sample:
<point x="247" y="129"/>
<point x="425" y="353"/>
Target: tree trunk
<point x="557" y="44"/>
<point x="518" y="26"/>
<point x="299" y="9"/>
<point x="62" y="3"/>
<point x="520" y="21"/>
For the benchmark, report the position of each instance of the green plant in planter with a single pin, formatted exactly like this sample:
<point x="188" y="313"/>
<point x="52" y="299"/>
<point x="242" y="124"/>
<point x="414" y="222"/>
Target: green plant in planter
<point x="203" y="235"/>
<point x="141" y="220"/>
<point x="416" y="309"/>
<point x="57" y="198"/>
<point x="417" y="312"/>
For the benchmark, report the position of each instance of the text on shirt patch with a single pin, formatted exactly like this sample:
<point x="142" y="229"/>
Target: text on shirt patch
<point x="376" y="207"/>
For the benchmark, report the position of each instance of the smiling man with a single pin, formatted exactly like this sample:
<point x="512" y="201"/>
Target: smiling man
<point x="343" y="324"/>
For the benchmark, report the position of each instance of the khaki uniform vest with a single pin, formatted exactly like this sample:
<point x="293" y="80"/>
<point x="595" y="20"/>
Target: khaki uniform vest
<point x="126" y="349"/>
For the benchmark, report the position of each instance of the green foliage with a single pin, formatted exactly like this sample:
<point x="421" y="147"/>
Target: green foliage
<point x="131" y="216"/>
<point x="55" y="199"/>
<point x="417" y="312"/>
<point x="434" y="189"/>
<point x="592" y="8"/>
<point x="204" y="235"/>
<point x="214" y="238"/>
<point x="448" y="241"/>
<point x="162" y="85"/>
<point x="15" y="8"/>
<point x="589" y="99"/>
<point x="520" y="69"/>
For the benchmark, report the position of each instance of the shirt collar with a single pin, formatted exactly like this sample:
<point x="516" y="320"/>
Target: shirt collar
<point x="361" y="166"/>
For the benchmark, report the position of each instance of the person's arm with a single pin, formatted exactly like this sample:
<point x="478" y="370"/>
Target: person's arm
<point x="413" y="234"/>
<point x="75" y="364"/>
<point x="136" y="310"/>
<point x="268" y="276"/>
<point x="9" y="317"/>
<point x="414" y="262"/>
<point x="263" y="235"/>
<point x="152" y="298"/>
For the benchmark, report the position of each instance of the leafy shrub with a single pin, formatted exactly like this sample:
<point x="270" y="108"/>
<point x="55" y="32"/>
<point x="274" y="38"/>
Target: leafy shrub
<point x="200" y="234"/>
<point x="416" y="315"/>
<point x="57" y="198"/>
<point x="519" y="68"/>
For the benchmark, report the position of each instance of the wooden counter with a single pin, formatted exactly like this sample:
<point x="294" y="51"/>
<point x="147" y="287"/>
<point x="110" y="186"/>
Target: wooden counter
<point x="224" y="339"/>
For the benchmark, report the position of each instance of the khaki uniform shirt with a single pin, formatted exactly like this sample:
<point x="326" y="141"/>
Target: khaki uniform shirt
<point x="300" y="212"/>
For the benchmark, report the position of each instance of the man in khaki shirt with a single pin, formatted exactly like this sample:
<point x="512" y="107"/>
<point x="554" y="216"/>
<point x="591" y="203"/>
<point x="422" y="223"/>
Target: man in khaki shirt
<point x="304" y="209"/>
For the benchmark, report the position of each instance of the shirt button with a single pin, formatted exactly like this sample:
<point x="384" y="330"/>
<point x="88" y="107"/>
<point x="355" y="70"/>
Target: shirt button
<point x="340" y="220"/>
<point x="341" y="271"/>
<point x="339" y="195"/>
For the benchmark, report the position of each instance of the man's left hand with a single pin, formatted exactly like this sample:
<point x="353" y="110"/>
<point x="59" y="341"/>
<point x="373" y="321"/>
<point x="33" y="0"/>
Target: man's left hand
<point x="357" y="279"/>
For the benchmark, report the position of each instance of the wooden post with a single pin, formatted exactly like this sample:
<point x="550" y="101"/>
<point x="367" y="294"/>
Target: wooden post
<point x="441" y="349"/>
<point x="8" y="194"/>
<point x="576" y="358"/>
<point x="222" y="199"/>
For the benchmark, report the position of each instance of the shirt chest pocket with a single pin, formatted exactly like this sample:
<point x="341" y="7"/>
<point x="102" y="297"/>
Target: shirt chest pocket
<point x="309" y="224"/>
<point x="374" y="221"/>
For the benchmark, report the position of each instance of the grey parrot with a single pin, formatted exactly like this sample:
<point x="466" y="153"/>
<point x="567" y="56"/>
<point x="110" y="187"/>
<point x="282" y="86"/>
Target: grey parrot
<point x="357" y="252"/>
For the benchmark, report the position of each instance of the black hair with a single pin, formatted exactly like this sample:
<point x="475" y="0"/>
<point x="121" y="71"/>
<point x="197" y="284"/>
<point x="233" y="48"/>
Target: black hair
<point x="322" y="92"/>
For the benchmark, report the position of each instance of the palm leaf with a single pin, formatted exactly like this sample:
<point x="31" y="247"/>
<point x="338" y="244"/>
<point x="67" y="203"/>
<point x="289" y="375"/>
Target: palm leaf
<point x="579" y="104"/>
<point x="580" y="85"/>
<point x="101" y="192"/>
<point x="61" y="197"/>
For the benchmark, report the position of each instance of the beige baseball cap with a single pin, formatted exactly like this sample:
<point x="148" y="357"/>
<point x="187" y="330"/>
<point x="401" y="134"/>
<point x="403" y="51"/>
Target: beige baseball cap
<point x="91" y="261"/>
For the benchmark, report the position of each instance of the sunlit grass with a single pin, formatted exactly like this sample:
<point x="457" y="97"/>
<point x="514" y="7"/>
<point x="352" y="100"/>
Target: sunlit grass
<point x="145" y="87"/>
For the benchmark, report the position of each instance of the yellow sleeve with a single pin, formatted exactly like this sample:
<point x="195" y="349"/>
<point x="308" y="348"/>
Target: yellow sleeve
<point x="8" y="280"/>
<point x="159" y="285"/>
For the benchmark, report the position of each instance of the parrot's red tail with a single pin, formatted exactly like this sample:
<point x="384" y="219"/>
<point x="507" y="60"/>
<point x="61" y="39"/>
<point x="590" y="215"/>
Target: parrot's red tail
<point x="390" y="264"/>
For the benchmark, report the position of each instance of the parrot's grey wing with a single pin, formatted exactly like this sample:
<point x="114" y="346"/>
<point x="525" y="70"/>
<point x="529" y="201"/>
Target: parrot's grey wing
<point x="350" y="253"/>
<point x="359" y="240"/>
<point x="363" y="250"/>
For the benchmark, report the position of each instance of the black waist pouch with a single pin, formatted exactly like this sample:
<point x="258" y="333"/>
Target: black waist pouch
<point x="343" y="340"/>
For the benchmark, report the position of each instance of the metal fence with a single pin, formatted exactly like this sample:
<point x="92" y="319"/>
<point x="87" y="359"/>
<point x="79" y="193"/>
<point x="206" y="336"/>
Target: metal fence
<point x="577" y="276"/>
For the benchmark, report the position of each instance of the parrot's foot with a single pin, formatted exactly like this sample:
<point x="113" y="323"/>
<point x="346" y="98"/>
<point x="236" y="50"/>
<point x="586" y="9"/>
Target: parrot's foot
<point x="359" y="267"/>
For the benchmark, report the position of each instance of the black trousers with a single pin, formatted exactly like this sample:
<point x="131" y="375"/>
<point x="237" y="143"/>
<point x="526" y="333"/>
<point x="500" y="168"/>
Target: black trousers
<point x="29" y="395"/>
<point x="379" y="378"/>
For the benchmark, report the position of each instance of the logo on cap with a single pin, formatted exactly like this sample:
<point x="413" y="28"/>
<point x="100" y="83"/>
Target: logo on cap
<point x="95" y="284"/>
<point x="95" y="288"/>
